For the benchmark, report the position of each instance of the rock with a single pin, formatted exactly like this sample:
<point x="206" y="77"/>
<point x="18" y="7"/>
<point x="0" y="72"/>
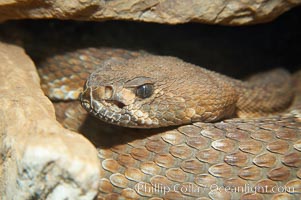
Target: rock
<point x="168" y="11"/>
<point x="39" y="158"/>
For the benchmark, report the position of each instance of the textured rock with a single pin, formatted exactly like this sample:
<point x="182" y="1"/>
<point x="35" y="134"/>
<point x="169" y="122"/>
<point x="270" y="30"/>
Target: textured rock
<point x="39" y="158"/>
<point x="167" y="11"/>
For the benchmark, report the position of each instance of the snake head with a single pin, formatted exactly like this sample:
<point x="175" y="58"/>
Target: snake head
<point x="154" y="91"/>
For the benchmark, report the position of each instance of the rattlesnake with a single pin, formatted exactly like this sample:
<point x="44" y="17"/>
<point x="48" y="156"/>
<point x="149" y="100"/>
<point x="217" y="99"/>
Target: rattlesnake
<point x="257" y="144"/>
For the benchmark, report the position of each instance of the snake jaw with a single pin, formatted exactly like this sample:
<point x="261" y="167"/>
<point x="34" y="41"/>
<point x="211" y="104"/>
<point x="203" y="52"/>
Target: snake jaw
<point x="114" y="107"/>
<point x="136" y="115"/>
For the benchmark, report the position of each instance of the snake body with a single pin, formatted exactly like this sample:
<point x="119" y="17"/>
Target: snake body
<point x="249" y="157"/>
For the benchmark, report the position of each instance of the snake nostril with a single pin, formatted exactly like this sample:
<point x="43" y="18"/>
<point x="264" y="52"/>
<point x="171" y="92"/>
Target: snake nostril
<point x="85" y="85"/>
<point x="85" y="94"/>
<point x="117" y="103"/>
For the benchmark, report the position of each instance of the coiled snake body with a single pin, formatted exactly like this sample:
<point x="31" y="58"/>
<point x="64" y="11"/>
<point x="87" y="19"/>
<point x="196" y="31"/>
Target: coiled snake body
<point x="253" y="154"/>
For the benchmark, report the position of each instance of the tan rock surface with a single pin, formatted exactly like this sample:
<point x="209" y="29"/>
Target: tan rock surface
<point x="39" y="158"/>
<point x="226" y="12"/>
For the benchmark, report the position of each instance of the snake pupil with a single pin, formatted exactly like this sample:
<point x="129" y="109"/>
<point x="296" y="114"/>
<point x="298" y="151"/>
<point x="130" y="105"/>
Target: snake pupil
<point x="145" y="91"/>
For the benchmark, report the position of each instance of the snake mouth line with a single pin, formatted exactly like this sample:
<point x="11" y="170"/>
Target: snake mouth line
<point x="107" y="111"/>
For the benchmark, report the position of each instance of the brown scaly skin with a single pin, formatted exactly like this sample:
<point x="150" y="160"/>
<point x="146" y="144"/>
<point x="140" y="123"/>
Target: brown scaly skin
<point x="236" y="154"/>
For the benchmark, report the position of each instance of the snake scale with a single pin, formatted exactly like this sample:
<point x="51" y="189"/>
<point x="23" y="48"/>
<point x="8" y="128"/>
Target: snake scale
<point x="254" y="153"/>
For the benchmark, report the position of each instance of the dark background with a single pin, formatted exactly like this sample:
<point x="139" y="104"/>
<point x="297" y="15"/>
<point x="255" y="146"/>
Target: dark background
<point x="235" y="51"/>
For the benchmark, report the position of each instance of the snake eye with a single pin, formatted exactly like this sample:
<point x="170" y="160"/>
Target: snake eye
<point x="145" y="91"/>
